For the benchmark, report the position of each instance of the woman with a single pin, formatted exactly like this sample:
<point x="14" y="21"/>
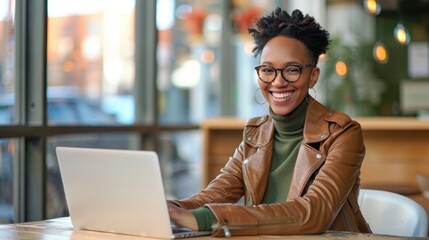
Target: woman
<point x="297" y="168"/>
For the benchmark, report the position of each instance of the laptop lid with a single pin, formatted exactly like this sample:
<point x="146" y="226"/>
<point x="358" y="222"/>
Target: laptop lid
<point x="119" y="191"/>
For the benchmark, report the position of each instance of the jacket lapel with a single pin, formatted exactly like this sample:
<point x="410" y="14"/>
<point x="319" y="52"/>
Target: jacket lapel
<point x="309" y="159"/>
<point x="256" y="167"/>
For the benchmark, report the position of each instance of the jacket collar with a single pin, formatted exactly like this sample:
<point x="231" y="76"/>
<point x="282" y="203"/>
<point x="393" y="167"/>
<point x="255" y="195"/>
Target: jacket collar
<point x="313" y="130"/>
<point x="256" y="138"/>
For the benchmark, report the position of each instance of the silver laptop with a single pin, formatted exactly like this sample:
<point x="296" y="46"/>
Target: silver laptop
<point x="119" y="191"/>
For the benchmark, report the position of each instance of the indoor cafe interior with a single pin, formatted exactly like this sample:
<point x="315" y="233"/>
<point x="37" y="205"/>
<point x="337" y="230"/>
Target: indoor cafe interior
<point x="177" y="77"/>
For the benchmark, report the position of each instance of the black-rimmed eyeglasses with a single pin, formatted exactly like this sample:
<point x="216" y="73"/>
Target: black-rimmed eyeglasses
<point x="290" y="73"/>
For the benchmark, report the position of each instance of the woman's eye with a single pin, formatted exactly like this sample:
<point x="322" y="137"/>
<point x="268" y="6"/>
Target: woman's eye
<point x="292" y="70"/>
<point x="267" y="70"/>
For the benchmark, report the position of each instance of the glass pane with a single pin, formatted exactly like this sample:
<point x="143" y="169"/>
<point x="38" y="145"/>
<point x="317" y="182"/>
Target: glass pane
<point x="180" y="155"/>
<point x="90" y="57"/>
<point x="188" y="55"/>
<point x="56" y="205"/>
<point x="67" y="106"/>
<point x="7" y="156"/>
<point x="7" y="61"/>
<point x="188" y="59"/>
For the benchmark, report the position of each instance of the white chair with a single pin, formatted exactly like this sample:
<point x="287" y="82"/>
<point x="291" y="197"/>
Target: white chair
<point x="393" y="214"/>
<point x="423" y="181"/>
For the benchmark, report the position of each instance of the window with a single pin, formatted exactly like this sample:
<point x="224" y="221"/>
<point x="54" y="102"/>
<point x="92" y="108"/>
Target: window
<point x="7" y="101"/>
<point x="205" y="63"/>
<point x="91" y="58"/>
<point x="7" y="61"/>
<point x="188" y="56"/>
<point x="7" y="156"/>
<point x="90" y="75"/>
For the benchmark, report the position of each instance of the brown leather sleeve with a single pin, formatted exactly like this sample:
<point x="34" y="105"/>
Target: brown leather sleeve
<point x="227" y="187"/>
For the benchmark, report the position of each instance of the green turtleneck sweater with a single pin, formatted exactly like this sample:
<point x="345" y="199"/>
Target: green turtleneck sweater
<point x="287" y="138"/>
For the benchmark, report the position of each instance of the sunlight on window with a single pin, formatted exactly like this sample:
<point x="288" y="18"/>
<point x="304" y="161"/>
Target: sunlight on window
<point x="62" y="8"/>
<point x="187" y="75"/>
<point x="91" y="49"/>
<point x="164" y="14"/>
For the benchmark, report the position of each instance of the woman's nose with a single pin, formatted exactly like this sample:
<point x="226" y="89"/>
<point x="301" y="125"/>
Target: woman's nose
<point x="279" y="80"/>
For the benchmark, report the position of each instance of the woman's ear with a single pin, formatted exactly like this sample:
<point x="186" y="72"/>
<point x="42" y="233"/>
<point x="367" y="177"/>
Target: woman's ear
<point x="314" y="76"/>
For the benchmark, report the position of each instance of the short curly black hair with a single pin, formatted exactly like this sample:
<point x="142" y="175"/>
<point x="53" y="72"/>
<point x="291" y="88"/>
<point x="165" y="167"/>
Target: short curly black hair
<point x="297" y="26"/>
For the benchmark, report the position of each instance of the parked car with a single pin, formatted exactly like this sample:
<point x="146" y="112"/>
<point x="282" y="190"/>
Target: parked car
<point x="65" y="106"/>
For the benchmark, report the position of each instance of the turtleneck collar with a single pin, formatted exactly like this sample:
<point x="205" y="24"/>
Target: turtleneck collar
<point x="292" y="122"/>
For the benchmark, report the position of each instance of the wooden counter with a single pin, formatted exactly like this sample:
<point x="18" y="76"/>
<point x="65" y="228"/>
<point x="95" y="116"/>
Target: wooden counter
<point x="396" y="150"/>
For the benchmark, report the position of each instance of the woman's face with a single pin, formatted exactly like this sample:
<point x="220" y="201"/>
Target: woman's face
<point x="282" y="96"/>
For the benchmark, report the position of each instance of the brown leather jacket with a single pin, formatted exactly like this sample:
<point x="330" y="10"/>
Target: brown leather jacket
<point x="324" y="189"/>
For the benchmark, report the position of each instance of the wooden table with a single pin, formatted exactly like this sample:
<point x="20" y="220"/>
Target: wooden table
<point x="61" y="229"/>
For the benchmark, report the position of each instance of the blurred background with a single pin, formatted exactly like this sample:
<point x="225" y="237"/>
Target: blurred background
<point x="132" y="74"/>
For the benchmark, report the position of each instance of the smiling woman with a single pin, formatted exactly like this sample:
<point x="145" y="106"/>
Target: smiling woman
<point x="290" y="159"/>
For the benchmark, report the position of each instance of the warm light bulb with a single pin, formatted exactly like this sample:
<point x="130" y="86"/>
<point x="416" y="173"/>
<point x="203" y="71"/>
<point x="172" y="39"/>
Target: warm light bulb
<point x="372" y="7"/>
<point x="401" y="34"/>
<point x="207" y="56"/>
<point x="379" y="52"/>
<point x="341" y="68"/>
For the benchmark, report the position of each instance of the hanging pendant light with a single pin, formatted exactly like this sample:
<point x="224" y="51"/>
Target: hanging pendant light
<point x="401" y="34"/>
<point x="341" y="68"/>
<point x="379" y="52"/>
<point x="372" y="7"/>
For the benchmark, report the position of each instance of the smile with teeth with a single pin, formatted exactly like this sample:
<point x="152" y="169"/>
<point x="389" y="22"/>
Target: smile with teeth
<point x="281" y="95"/>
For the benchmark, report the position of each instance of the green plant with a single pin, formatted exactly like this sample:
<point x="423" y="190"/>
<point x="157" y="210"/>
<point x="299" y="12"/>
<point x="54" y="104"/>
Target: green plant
<point x="358" y="92"/>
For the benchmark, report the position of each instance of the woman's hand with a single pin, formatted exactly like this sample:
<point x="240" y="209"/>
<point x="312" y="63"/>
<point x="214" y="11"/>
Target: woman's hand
<point x="182" y="217"/>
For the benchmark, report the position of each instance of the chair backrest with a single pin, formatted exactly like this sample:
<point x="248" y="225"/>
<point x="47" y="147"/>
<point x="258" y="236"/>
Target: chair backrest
<point x="393" y="214"/>
<point x="423" y="181"/>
